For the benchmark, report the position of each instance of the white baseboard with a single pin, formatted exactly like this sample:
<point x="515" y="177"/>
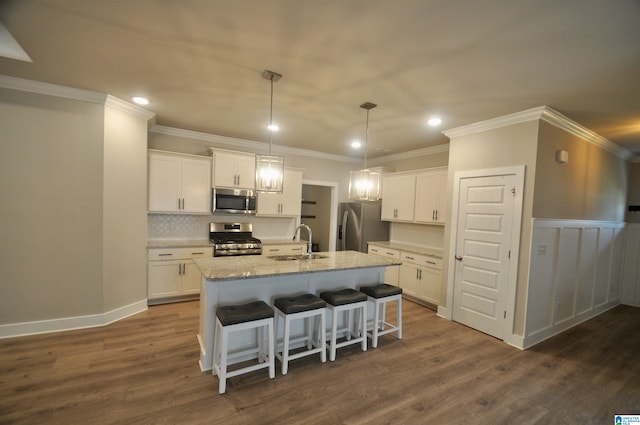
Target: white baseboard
<point x="70" y="323"/>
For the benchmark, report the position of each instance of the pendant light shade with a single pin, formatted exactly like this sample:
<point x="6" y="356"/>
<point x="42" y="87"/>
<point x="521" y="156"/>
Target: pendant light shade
<point x="365" y="184"/>
<point x="270" y="168"/>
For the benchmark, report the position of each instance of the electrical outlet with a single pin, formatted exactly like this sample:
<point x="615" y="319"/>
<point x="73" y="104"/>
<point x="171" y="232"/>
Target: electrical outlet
<point x="542" y="249"/>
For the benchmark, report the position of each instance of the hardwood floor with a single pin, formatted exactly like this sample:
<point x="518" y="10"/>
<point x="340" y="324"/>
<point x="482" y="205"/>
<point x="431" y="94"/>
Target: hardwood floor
<point x="144" y="370"/>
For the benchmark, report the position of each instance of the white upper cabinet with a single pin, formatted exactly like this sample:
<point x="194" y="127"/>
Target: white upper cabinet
<point x="415" y="197"/>
<point x="398" y="191"/>
<point x="287" y="203"/>
<point x="179" y="183"/>
<point x="430" y="197"/>
<point x="234" y="169"/>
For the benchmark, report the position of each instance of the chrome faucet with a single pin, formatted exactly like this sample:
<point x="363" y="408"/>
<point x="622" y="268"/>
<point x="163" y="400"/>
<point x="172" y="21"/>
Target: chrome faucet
<point x="309" y="247"/>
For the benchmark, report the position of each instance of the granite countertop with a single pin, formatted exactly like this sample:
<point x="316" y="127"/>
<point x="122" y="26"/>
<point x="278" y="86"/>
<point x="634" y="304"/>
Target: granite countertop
<point x="255" y="266"/>
<point x="415" y="249"/>
<point x="178" y="243"/>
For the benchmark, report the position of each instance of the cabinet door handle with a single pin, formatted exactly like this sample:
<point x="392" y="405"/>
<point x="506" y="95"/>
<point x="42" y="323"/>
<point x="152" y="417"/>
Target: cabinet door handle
<point x="183" y="204"/>
<point x="420" y="274"/>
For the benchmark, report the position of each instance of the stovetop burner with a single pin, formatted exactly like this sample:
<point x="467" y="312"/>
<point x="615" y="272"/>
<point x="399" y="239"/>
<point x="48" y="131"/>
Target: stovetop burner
<point x="233" y="239"/>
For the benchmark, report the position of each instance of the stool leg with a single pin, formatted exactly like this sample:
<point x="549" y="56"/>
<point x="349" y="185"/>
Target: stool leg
<point x="222" y="386"/>
<point x="323" y="338"/>
<point x="309" y="325"/>
<point x="383" y="306"/>
<point x="285" y="345"/>
<point x="349" y="324"/>
<point x="399" y="317"/>
<point x="376" y="323"/>
<point x="363" y="326"/>
<point x="334" y="330"/>
<point x="272" y="361"/>
<point x="260" y="336"/>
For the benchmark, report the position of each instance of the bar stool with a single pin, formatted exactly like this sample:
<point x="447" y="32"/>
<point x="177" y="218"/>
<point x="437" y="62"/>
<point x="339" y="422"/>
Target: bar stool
<point x="380" y="295"/>
<point x="255" y="315"/>
<point x="307" y="307"/>
<point x="348" y="300"/>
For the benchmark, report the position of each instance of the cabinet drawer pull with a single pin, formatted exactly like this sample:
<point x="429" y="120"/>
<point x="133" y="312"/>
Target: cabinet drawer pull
<point x="410" y="258"/>
<point x="431" y="262"/>
<point x="197" y="253"/>
<point x="164" y="255"/>
<point x="390" y="253"/>
<point x="274" y="249"/>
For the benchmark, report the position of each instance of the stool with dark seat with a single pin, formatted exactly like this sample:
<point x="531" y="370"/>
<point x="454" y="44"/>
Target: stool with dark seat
<point x="348" y="300"/>
<point x="258" y="315"/>
<point x="380" y="295"/>
<point x="307" y="307"/>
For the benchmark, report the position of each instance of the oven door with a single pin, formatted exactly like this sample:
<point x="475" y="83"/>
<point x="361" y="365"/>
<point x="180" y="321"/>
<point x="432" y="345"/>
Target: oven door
<point x="233" y="201"/>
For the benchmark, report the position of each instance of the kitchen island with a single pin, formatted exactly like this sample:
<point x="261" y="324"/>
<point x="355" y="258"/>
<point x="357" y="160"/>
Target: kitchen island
<point x="235" y="280"/>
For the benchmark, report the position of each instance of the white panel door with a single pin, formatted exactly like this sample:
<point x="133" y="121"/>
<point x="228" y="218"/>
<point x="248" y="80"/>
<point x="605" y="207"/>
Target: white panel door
<point x="485" y="215"/>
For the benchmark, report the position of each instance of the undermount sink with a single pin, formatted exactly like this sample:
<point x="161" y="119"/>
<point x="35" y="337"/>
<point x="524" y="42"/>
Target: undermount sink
<point x="297" y="257"/>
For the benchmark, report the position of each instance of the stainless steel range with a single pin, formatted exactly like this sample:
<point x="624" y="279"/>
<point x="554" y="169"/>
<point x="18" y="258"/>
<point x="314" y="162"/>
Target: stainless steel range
<point x="233" y="239"/>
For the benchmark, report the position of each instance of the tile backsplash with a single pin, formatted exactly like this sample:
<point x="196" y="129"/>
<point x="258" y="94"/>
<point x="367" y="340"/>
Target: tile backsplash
<point x="187" y="226"/>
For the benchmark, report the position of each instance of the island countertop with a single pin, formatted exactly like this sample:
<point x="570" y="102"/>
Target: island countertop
<point x="256" y="266"/>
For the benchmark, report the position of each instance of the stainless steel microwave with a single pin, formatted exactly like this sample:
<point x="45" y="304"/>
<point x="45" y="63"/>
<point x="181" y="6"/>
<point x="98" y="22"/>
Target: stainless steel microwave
<point x="233" y="201"/>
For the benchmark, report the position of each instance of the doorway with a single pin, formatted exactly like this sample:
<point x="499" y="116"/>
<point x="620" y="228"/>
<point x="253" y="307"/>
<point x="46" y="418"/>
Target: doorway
<point x="484" y="247"/>
<point x="320" y="212"/>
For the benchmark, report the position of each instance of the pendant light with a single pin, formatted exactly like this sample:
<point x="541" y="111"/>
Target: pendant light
<point x="270" y="168"/>
<point x="365" y="184"/>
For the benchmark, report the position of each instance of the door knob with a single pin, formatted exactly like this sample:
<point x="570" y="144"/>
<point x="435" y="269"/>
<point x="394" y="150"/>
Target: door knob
<point x="458" y="258"/>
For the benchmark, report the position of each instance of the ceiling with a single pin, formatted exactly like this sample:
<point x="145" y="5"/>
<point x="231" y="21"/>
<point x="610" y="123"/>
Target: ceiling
<point x="200" y="63"/>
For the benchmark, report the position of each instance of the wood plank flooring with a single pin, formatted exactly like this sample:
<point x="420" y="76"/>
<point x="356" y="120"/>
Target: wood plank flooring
<point x="144" y="370"/>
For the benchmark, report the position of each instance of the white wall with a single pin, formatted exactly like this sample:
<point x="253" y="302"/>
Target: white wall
<point x="51" y="168"/>
<point x="575" y="274"/>
<point x="631" y="268"/>
<point x="124" y="209"/>
<point x="74" y="231"/>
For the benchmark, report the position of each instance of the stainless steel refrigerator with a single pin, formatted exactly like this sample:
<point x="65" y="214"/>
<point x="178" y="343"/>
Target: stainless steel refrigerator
<point x="359" y="223"/>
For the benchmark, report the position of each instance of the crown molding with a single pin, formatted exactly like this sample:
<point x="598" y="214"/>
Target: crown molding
<point x="550" y="116"/>
<point x="250" y="145"/>
<point x="556" y="119"/>
<point x="49" y="89"/>
<point x="129" y="108"/>
<point x="64" y="92"/>
<point x="432" y="150"/>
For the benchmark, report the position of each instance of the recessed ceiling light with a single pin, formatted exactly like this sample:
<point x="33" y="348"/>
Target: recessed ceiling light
<point x="356" y="144"/>
<point x="434" y="122"/>
<point x="273" y="127"/>
<point x="140" y="100"/>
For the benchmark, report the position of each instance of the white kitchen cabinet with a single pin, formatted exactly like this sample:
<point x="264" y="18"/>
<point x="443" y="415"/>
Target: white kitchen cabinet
<point x="284" y="249"/>
<point x="420" y="277"/>
<point x="430" y="197"/>
<point x="392" y="274"/>
<point x="234" y="169"/>
<point x="179" y="183"/>
<point x="398" y="197"/>
<point x="172" y="274"/>
<point x="288" y="203"/>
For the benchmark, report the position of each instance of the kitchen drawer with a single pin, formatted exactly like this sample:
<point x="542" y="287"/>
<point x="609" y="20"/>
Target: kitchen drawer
<point x="384" y="252"/>
<point x="422" y="260"/>
<point x="160" y="254"/>
<point x="284" y="249"/>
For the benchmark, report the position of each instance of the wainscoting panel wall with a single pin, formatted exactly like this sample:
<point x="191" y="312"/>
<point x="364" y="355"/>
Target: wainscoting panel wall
<point x="575" y="274"/>
<point x="631" y="270"/>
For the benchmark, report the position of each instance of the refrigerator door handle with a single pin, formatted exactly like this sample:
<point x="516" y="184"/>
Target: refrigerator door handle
<point x="344" y="230"/>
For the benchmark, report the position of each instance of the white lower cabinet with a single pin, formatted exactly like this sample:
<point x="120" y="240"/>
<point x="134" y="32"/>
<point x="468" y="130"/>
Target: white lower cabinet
<point x="392" y="275"/>
<point x="420" y="276"/>
<point x="172" y="273"/>
<point x="284" y="249"/>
